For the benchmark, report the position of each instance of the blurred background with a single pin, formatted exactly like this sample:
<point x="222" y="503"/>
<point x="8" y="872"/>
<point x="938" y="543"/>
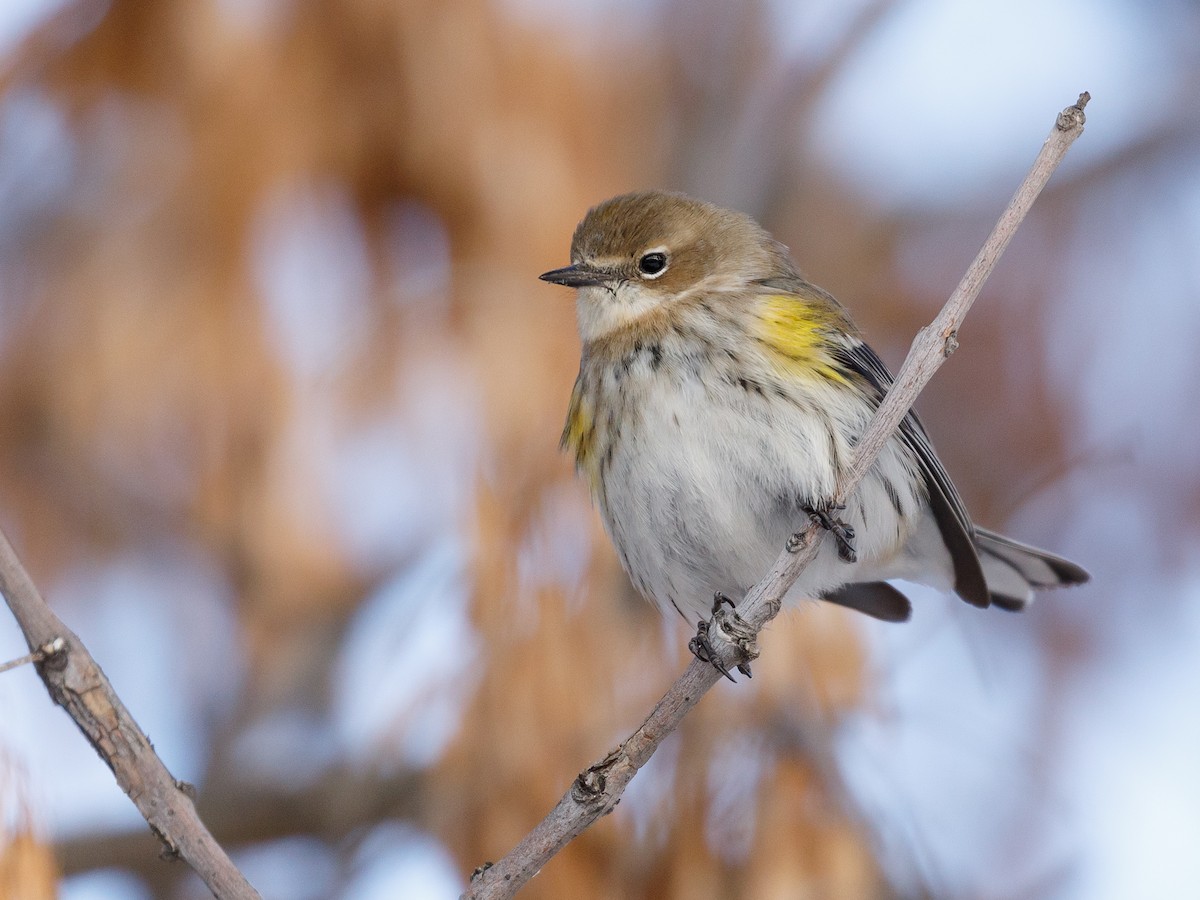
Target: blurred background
<point x="280" y="399"/>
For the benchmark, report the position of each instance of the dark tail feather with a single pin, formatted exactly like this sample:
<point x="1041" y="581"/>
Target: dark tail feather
<point x="1014" y="570"/>
<point x="875" y="598"/>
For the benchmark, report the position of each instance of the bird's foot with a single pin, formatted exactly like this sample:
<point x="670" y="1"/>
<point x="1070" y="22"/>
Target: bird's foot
<point x="825" y="515"/>
<point x="735" y="628"/>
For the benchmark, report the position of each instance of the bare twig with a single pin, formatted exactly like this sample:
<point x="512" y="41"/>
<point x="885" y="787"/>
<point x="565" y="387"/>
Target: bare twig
<point x="41" y="654"/>
<point x="596" y="791"/>
<point x="77" y="684"/>
<point x="239" y="811"/>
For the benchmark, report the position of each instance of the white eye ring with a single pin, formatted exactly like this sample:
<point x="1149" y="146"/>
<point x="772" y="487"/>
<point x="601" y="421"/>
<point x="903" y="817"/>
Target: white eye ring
<point x="653" y="263"/>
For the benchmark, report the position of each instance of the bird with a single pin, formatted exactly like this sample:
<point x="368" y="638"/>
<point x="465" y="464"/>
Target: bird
<point x="719" y="397"/>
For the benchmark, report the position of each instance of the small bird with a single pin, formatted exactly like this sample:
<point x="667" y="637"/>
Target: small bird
<point x="719" y="397"/>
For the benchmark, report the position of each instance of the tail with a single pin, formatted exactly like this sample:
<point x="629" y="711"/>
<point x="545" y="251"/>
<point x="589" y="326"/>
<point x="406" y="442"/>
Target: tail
<point x="1014" y="570"/>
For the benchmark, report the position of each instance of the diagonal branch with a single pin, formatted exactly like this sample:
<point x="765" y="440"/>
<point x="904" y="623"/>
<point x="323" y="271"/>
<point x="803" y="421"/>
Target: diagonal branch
<point x="597" y="789"/>
<point x="77" y="684"/>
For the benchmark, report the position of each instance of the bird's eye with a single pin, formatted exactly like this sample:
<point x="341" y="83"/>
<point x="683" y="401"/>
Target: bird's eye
<point x="653" y="264"/>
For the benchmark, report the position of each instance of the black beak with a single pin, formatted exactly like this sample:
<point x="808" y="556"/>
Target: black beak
<point x="576" y="276"/>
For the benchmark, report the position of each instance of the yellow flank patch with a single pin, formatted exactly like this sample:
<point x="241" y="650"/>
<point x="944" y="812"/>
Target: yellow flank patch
<point x="579" y="433"/>
<point x="797" y="329"/>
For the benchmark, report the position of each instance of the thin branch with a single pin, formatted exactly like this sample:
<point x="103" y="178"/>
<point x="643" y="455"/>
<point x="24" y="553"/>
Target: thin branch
<point x="77" y="684"/>
<point x="343" y="801"/>
<point x="597" y="790"/>
<point x="41" y="654"/>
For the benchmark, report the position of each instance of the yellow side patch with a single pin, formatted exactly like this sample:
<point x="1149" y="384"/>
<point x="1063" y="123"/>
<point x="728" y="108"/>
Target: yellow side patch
<point x="797" y="330"/>
<point x="579" y="433"/>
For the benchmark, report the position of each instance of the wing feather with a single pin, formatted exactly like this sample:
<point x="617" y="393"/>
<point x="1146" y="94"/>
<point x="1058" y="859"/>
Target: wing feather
<point x="947" y="506"/>
<point x="948" y="510"/>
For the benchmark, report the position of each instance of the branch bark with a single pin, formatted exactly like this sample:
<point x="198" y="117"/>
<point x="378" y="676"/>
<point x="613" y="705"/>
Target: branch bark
<point x="77" y="684"/>
<point x="598" y="788"/>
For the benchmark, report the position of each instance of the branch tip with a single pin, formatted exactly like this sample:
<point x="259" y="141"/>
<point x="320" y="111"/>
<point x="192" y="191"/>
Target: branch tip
<point x="1072" y="117"/>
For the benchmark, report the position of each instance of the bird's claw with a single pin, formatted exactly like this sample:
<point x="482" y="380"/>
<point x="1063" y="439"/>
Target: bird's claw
<point x="701" y="648"/>
<point x="824" y="515"/>
<point x="737" y="630"/>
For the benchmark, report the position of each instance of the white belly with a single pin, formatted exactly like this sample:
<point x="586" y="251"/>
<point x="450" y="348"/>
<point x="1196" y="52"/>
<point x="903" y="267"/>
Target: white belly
<point x="705" y="486"/>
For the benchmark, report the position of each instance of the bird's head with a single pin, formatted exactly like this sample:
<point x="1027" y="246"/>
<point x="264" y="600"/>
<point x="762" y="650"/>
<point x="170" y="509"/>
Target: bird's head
<point x="637" y="253"/>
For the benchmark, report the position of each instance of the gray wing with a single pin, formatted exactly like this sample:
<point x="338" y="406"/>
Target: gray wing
<point x="948" y="510"/>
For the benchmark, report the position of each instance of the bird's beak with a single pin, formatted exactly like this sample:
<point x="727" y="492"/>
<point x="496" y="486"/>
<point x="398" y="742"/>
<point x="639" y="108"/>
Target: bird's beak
<point x="576" y="276"/>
